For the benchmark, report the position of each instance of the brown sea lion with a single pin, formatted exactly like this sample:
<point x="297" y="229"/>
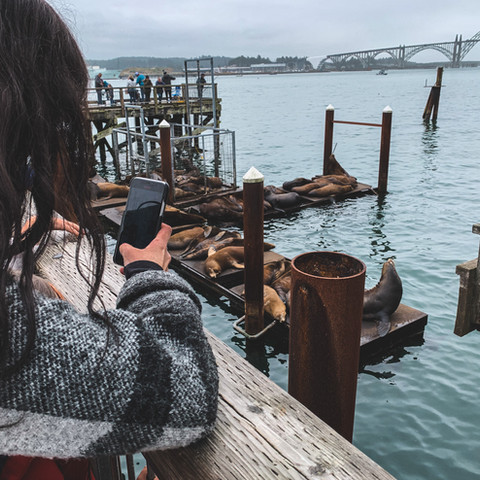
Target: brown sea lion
<point x="111" y="190"/>
<point x="273" y="304"/>
<point x="306" y="188"/>
<point x="331" y="189"/>
<point x="336" y="179"/>
<point x="221" y="209"/>
<point x="176" y="217"/>
<point x="273" y="270"/>
<point x="235" y="242"/>
<point x="202" y="249"/>
<point x="282" y="287"/>
<point x="180" y="193"/>
<point x="182" y="239"/>
<point x="228" y="257"/>
<point x="297" y="182"/>
<point x="384" y="298"/>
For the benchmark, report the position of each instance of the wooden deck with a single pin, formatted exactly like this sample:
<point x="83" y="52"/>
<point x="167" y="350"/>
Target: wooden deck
<point x="261" y="433"/>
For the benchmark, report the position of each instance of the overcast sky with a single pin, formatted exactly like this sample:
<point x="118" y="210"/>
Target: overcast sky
<point x="270" y="28"/>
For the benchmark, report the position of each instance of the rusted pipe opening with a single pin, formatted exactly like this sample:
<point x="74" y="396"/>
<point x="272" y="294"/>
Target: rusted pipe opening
<point x="328" y="265"/>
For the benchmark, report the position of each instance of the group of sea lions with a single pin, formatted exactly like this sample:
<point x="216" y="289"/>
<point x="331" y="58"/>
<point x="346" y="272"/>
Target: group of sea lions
<point x="379" y="302"/>
<point x="335" y="181"/>
<point x="221" y="249"/>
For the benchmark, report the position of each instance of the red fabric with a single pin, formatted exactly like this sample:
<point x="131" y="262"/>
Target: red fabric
<point x="30" y="468"/>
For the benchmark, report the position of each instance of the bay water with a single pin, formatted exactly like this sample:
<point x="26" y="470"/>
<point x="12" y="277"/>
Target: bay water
<point x="417" y="410"/>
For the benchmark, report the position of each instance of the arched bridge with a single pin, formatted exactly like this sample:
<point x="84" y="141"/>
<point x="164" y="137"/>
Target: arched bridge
<point x="454" y="51"/>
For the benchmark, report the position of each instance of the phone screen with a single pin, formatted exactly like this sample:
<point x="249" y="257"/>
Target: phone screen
<point x="143" y="213"/>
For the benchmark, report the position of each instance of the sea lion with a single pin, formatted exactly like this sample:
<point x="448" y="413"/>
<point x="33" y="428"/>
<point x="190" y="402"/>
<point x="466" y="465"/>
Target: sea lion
<point x="221" y="209"/>
<point x="273" y="270"/>
<point x="337" y="179"/>
<point x="306" y="188"/>
<point x="297" y="182"/>
<point x="176" y="217"/>
<point x="384" y="298"/>
<point x="106" y="190"/>
<point x="202" y="249"/>
<point x="281" y="200"/>
<point x="331" y="189"/>
<point x="273" y="304"/>
<point x="228" y="257"/>
<point x="282" y="286"/>
<point x="235" y="242"/>
<point x="182" y="239"/>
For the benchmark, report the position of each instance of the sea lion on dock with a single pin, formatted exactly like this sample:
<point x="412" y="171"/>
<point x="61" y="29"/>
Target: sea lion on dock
<point x="273" y="270"/>
<point x="331" y="189"/>
<point x="273" y="304"/>
<point x="182" y="239"/>
<point x="228" y="257"/>
<point x="279" y="199"/>
<point x="384" y="298"/>
<point x="201" y="251"/>
<point x="106" y="190"/>
<point x="297" y="182"/>
<point x="282" y="286"/>
<point x="221" y="209"/>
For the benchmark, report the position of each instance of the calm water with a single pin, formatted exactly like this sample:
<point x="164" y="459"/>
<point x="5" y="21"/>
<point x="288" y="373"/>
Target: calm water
<point x="417" y="411"/>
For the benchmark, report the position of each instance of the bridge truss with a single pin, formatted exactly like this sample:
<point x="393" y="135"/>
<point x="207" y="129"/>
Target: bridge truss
<point x="454" y="51"/>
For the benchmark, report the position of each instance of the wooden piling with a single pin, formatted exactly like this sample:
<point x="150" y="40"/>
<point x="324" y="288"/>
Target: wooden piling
<point x="434" y="98"/>
<point x="384" y="150"/>
<point x="253" y="245"/>
<point x="166" y="154"/>
<point x="328" y="140"/>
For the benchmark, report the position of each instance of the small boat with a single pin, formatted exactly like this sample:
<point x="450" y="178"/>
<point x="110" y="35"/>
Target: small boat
<point x="382" y="72"/>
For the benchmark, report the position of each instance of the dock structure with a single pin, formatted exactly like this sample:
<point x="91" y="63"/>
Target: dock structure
<point x="468" y="309"/>
<point x="186" y="108"/>
<point x="407" y="323"/>
<point x="261" y="432"/>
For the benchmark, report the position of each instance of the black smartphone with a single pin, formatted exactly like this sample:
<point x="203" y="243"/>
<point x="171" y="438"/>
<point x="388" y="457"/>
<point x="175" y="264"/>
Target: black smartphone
<point x="143" y="214"/>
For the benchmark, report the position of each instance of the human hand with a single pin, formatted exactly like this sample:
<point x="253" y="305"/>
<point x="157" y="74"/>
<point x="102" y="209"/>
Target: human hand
<point x="156" y="251"/>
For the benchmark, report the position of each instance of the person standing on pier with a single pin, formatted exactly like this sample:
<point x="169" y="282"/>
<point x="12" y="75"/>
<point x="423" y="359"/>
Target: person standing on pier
<point x="200" y="84"/>
<point x="99" y="87"/>
<point x="167" y="80"/>
<point x="140" y="82"/>
<point x="131" y="89"/>
<point x="140" y="376"/>
<point x="159" y="84"/>
<point x="148" y="88"/>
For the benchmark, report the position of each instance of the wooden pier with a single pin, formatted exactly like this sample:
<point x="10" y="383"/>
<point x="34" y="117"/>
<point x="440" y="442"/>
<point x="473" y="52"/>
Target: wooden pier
<point x="262" y="432"/>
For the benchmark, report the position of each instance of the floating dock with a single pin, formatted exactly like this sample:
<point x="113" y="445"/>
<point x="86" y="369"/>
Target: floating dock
<point x="406" y="322"/>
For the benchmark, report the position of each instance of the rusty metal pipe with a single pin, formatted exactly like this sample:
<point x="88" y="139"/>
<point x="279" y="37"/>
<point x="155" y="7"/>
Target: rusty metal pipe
<point x="325" y="325"/>
<point x="328" y="139"/>
<point x="384" y="150"/>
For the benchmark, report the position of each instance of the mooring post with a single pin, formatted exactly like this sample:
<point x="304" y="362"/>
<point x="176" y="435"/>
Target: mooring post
<point x="328" y="141"/>
<point x="384" y="150"/>
<point x="166" y="158"/>
<point x="325" y="326"/>
<point x="434" y="98"/>
<point x="116" y="154"/>
<point x="253" y="245"/>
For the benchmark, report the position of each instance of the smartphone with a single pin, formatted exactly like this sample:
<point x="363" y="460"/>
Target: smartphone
<point x="143" y="214"/>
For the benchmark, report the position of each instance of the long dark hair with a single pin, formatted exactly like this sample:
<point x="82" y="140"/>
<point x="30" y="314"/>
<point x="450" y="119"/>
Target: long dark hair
<point x="44" y="129"/>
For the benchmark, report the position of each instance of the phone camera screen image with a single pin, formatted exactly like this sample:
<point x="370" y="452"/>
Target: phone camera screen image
<point x="143" y="214"/>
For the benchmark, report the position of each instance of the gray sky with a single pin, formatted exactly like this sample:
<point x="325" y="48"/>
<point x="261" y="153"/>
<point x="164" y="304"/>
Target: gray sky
<point x="271" y="28"/>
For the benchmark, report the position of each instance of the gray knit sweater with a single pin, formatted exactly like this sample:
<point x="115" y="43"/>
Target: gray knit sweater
<point x="154" y="387"/>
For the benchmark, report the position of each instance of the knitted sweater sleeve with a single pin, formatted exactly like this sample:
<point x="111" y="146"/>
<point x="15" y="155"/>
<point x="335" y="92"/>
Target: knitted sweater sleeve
<point x="150" y="384"/>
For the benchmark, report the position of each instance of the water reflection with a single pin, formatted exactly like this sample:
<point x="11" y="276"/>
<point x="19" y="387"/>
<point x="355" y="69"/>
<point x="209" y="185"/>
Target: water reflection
<point x="430" y="150"/>
<point x="378" y="239"/>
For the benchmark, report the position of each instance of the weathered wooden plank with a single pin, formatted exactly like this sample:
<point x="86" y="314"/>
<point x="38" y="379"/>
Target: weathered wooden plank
<point x="262" y="432"/>
<point x="466" y="308"/>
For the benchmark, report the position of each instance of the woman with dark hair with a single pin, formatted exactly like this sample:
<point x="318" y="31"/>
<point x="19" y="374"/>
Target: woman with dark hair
<point x="140" y="377"/>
